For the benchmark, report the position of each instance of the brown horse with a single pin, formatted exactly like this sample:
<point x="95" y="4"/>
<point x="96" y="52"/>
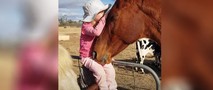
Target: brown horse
<point x="127" y="21"/>
<point x="188" y="55"/>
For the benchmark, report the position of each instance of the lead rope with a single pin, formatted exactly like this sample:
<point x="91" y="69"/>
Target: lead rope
<point x="79" y="67"/>
<point x="81" y="77"/>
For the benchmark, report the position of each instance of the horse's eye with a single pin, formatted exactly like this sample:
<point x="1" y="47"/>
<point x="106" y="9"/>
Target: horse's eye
<point x="114" y="17"/>
<point x="111" y="17"/>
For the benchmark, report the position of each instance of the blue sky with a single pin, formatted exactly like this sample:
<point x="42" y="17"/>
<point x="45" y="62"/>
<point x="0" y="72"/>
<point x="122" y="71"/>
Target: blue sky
<point x="73" y="8"/>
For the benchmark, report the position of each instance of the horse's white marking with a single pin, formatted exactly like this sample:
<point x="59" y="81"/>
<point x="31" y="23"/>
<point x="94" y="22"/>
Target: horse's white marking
<point x="143" y="50"/>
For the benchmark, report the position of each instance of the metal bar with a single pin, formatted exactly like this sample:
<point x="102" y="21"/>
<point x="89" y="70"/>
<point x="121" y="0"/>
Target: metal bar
<point x="141" y="66"/>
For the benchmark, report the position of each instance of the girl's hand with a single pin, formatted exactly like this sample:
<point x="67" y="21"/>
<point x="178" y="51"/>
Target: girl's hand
<point x="103" y="19"/>
<point x="106" y="14"/>
<point x="93" y="23"/>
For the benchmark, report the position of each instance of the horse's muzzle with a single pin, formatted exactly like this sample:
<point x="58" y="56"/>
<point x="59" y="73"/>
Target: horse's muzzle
<point x="103" y="59"/>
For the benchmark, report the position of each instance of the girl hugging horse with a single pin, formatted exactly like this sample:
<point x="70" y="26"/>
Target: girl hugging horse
<point x="93" y="24"/>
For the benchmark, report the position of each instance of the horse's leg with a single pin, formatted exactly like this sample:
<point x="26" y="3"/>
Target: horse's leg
<point x="137" y="60"/>
<point x="143" y="53"/>
<point x="138" y="54"/>
<point x="158" y="60"/>
<point x="141" y="62"/>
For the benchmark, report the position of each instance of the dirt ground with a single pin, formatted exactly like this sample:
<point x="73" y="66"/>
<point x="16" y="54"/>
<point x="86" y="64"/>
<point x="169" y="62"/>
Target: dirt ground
<point x="124" y="76"/>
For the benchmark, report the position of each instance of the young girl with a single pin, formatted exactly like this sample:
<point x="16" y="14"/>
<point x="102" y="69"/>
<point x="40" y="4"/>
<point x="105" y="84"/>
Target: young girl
<point x="93" y="24"/>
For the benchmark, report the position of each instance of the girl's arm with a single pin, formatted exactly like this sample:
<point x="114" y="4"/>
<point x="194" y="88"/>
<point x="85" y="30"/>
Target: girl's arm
<point x="90" y="30"/>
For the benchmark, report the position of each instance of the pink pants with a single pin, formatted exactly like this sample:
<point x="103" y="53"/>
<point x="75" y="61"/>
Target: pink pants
<point x="105" y="75"/>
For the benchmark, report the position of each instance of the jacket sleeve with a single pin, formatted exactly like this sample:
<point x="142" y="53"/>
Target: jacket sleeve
<point x="90" y="30"/>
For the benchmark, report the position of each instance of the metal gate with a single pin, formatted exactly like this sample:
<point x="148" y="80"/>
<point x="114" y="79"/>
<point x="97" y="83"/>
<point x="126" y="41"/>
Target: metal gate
<point x="132" y="84"/>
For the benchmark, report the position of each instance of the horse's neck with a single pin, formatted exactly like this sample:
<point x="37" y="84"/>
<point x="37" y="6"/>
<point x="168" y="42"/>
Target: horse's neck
<point x="157" y="37"/>
<point x="152" y="10"/>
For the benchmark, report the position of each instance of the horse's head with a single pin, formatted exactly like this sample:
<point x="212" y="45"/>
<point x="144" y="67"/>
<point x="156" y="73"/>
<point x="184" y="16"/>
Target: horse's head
<point x="127" y="21"/>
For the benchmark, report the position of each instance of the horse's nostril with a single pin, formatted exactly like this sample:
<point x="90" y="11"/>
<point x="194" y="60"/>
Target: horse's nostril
<point x="94" y="54"/>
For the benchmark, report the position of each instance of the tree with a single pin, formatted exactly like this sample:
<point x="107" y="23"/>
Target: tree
<point x="63" y="21"/>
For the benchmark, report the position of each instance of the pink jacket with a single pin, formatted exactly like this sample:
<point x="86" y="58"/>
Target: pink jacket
<point x="88" y="34"/>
